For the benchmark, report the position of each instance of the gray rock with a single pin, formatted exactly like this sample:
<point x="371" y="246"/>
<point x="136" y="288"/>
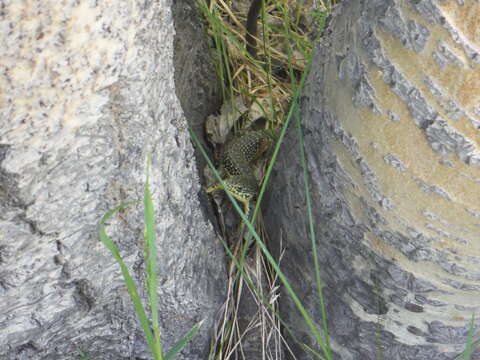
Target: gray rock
<point x="87" y="92"/>
<point x="396" y="280"/>
<point x="196" y="83"/>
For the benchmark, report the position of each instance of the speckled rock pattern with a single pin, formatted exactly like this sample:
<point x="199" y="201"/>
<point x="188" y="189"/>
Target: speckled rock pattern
<point x="87" y="93"/>
<point x="391" y="120"/>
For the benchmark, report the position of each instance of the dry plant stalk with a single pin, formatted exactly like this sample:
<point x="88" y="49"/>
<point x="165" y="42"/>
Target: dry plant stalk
<point x="283" y="46"/>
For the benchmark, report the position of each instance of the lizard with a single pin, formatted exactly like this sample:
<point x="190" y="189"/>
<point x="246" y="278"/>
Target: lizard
<point x="236" y="161"/>
<point x="242" y="151"/>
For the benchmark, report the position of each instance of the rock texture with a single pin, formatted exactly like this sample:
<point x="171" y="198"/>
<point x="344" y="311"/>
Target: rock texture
<point x="87" y="92"/>
<point x="391" y="120"/>
<point x="196" y="83"/>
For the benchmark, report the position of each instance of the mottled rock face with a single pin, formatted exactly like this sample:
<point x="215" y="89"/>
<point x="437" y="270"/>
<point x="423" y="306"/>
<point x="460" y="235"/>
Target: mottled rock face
<point x="87" y="93"/>
<point x="391" y="125"/>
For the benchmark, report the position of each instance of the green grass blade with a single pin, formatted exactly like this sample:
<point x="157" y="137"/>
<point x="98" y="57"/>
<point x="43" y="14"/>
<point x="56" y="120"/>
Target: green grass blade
<point x="311" y="228"/>
<point x="132" y="289"/>
<point x="469" y="350"/>
<point x="276" y="150"/>
<point x="183" y="341"/>
<point x="212" y="19"/>
<point x="471" y="344"/>
<point x="313" y="352"/>
<point x="82" y="355"/>
<point x="220" y="36"/>
<point x="280" y="140"/>
<point x="151" y="258"/>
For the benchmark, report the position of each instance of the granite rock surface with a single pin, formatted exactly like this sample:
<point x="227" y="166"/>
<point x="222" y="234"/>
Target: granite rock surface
<point x="87" y="92"/>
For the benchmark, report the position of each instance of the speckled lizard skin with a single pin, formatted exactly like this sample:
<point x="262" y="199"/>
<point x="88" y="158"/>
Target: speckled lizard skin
<point x="236" y="164"/>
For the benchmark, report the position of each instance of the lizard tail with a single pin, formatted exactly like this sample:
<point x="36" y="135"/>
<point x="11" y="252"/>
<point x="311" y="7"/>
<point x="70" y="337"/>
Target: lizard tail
<point x="251" y="34"/>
